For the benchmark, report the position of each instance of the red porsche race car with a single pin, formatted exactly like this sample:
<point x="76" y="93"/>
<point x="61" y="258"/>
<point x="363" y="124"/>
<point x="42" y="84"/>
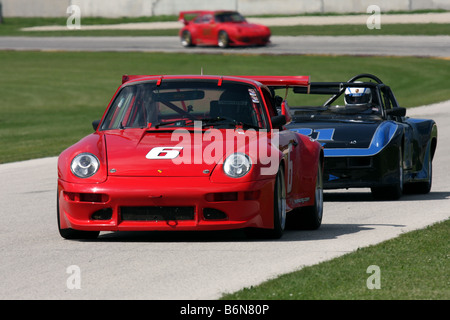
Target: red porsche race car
<point x="192" y="153"/>
<point x="221" y="28"/>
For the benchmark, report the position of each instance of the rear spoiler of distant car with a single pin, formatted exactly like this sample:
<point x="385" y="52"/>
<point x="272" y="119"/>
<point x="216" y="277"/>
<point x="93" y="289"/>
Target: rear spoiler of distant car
<point x="191" y="15"/>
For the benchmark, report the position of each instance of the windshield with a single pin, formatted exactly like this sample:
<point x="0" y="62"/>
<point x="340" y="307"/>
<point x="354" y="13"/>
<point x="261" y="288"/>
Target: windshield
<point x="182" y="103"/>
<point x="332" y="103"/>
<point x="229" y="17"/>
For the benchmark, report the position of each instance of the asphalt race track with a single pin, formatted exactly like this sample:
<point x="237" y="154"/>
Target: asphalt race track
<point x="38" y="264"/>
<point x="424" y="46"/>
<point x="172" y="266"/>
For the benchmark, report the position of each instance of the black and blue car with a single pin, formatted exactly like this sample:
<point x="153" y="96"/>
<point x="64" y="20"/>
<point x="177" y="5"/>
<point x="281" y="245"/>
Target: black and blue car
<point x="368" y="140"/>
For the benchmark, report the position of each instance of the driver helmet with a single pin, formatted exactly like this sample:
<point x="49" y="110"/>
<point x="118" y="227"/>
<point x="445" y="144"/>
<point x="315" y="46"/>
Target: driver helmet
<point x="358" y="96"/>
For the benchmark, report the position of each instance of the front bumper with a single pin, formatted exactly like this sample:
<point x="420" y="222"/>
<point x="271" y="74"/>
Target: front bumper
<point x="249" y="40"/>
<point x="169" y="203"/>
<point x="362" y="172"/>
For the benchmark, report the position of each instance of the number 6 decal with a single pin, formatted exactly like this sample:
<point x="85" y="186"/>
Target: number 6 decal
<point x="164" y="153"/>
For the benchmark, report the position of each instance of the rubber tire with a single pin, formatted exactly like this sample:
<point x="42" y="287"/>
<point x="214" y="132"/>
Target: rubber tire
<point x="279" y="212"/>
<point x="393" y="192"/>
<point x="309" y="218"/>
<point x="223" y="40"/>
<point x="186" y="39"/>
<point x="421" y="187"/>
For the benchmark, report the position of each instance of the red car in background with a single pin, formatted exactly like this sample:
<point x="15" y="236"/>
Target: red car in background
<point x="221" y="28"/>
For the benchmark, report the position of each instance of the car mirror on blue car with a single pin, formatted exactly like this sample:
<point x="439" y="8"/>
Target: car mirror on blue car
<point x="396" y="112"/>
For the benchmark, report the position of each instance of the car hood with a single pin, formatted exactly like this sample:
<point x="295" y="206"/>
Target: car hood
<point x="251" y="27"/>
<point x="166" y="153"/>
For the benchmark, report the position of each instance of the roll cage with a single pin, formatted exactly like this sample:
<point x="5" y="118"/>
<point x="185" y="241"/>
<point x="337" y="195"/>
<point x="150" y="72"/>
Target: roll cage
<point x="382" y="94"/>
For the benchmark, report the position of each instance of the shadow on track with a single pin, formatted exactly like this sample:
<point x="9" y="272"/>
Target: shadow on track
<point x="360" y="196"/>
<point x="326" y="232"/>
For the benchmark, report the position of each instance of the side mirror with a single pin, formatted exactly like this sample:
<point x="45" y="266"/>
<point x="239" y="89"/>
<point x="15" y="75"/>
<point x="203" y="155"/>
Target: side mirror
<point x="95" y="124"/>
<point x="396" y="112"/>
<point x="278" y="121"/>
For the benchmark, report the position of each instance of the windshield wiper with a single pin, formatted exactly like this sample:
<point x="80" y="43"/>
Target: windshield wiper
<point x="217" y="120"/>
<point x="248" y="125"/>
<point x="179" y="123"/>
<point x="227" y="121"/>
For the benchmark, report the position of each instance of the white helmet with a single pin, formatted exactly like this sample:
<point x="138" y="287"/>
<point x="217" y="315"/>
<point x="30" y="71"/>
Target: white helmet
<point x="358" y="96"/>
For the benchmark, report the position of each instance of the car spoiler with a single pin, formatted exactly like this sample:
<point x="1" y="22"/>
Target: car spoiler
<point x="280" y="81"/>
<point x="270" y="81"/>
<point x="126" y="77"/>
<point x="191" y="14"/>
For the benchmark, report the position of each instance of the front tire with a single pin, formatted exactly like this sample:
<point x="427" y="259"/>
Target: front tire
<point x="422" y="187"/>
<point x="279" y="206"/>
<point x="186" y="39"/>
<point x="393" y="192"/>
<point x="279" y="212"/>
<point x="310" y="218"/>
<point x="223" y="40"/>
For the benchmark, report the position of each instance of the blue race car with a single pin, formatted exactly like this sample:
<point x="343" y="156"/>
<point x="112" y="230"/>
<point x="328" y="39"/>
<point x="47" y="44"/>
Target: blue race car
<point x="368" y="140"/>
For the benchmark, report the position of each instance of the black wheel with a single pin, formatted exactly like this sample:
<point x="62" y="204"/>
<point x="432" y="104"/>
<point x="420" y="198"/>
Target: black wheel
<point x="423" y="187"/>
<point x="223" y="40"/>
<point x="279" y="206"/>
<point x="72" y="234"/>
<point x="392" y="192"/>
<point x="279" y="212"/>
<point x="309" y="218"/>
<point x="186" y="39"/>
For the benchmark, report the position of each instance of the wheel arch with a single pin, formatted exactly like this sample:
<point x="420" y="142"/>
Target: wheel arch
<point x="433" y="142"/>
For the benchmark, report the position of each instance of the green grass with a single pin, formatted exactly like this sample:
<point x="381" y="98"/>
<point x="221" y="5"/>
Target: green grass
<point x="13" y="26"/>
<point x="426" y="29"/>
<point x="49" y="99"/>
<point x="414" y="266"/>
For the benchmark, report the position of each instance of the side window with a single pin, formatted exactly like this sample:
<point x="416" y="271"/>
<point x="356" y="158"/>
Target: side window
<point x="119" y="108"/>
<point x="207" y="18"/>
<point x="386" y="99"/>
<point x="203" y="19"/>
<point x="389" y="101"/>
<point x="393" y="101"/>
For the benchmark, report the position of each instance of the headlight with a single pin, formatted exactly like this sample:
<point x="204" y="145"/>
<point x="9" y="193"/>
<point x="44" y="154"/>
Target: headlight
<point x="237" y="165"/>
<point x="84" y="165"/>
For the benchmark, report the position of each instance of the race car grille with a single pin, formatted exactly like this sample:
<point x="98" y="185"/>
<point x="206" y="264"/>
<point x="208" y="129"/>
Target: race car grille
<point x="359" y="162"/>
<point x="214" y="214"/>
<point x="157" y="213"/>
